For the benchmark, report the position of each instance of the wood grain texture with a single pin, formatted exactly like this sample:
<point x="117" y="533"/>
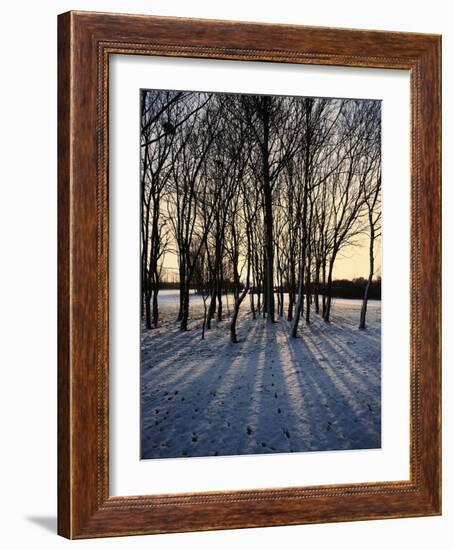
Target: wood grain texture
<point x="85" y="42"/>
<point x="64" y="368"/>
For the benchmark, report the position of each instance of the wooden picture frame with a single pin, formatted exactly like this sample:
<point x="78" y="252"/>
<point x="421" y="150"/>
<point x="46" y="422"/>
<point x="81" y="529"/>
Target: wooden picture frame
<point x="85" y="41"/>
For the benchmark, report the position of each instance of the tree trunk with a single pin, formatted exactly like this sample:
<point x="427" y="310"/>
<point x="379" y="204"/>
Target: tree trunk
<point x="182" y="278"/>
<point x="219" y="296"/>
<point x="300" y="297"/>
<point x="214" y="279"/>
<point x="281" y="290"/>
<point x="329" y="290"/>
<point x="237" y="305"/>
<point x="268" y="221"/>
<point x="317" y="287"/>
<point x="142" y="304"/>
<point x="148" y="310"/>
<point x="212" y="307"/>
<point x="362" y="324"/>
<point x="308" y="297"/>
<point x="282" y="301"/>
<point x="259" y="298"/>
<point x="300" y="300"/>
<point x="291" y="291"/>
<point x="204" y="318"/>
<point x="323" y="288"/>
<point x="290" y="306"/>
<point x="252" y="304"/>
<point x="185" y="308"/>
<point x="264" y="292"/>
<point x="155" y="306"/>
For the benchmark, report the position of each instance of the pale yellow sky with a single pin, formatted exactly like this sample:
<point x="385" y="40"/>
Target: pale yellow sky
<point x="352" y="262"/>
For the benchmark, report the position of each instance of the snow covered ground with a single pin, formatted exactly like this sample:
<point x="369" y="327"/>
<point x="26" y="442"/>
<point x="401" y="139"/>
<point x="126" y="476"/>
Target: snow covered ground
<point x="269" y="393"/>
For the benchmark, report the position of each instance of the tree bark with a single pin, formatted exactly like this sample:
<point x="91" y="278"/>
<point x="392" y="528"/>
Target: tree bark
<point x="291" y="290"/>
<point x="268" y="221"/>
<point x="316" y="289"/>
<point x="204" y="318"/>
<point x="155" y="306"/>
<point x="300" y="300"/>
<point x="329" y="289"/>
<point x="308" y="297"/>
<point x="185" y="307"/>
<point x="212" y="306"/>
<point x="219" y="305"/>
<point x="148" y="310"/>
<point x="323" y="288"/>
<point x="362" y="324"/>
<point x="290" y="306"/>
<point x="237" y="305"/>
<point x="182" y="278"/>
<point x="252" y="304"/>
<point x="300" y="296"/>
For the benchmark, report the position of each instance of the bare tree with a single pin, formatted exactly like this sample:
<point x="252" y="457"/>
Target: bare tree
<point x="348" y="188"/>
<point x="189" y="191"/>
<point x="256" y="195"/>
<point x="274" y="133"/>
<point x="371" y="172"/>
<point x="320" y="119"/>
<point x="249" y="213"/>
<point x="226" y="165"/>
<point x="201" y="280"/>
<point x="156" y="110"/>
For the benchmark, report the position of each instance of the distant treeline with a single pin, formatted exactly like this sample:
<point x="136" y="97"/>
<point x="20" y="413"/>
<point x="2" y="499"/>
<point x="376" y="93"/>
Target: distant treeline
<point x="341" y="288"/>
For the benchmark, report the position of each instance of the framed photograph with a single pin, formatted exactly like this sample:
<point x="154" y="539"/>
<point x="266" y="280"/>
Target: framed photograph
<point x="249" y="275"/>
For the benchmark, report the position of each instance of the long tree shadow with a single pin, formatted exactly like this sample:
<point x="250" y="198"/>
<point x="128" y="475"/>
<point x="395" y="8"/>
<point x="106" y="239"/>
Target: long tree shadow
<point x="371" y="334"/>
<point x="267" y="410"/>
<point x="347" y="359"/>
<point x="346" y="325"/>
<point x="170" y="347"/>
<point x="349" y="423"/>
<point x="268" y="394"/>
<point x="316" y="405"/>
<point x="196" y="412"/>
